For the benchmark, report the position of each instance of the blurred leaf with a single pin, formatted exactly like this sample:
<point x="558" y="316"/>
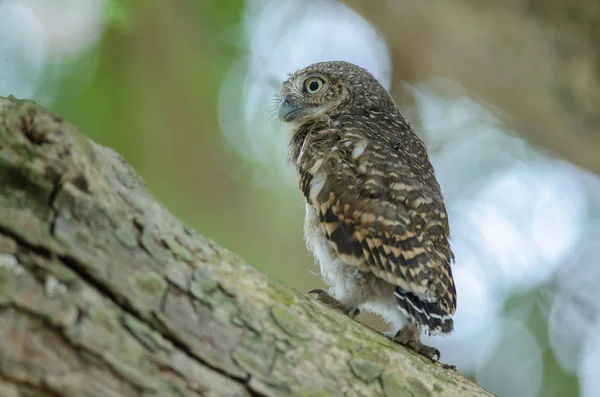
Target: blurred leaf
<point x="117" y="14"/>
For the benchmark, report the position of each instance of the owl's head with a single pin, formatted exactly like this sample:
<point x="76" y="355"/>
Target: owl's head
<point x="331" y="89"/>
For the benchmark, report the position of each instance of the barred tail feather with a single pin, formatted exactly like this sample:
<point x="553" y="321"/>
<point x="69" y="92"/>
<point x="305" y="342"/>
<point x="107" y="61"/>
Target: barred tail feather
<point x="426" y="314"/>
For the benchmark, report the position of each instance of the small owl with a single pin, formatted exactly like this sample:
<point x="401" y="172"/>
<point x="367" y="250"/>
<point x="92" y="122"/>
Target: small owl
<point x="375" y="217"/>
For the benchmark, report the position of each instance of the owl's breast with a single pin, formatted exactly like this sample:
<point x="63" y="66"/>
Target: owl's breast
<point x="318" y="246"/>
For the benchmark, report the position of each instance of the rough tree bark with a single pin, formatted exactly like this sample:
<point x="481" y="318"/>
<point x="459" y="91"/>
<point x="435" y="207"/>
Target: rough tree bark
<point x="104" y="293"/>
<point x="537" y="62"/>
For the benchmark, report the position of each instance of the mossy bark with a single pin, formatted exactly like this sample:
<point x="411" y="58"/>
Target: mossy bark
<point x="104" y="293"/>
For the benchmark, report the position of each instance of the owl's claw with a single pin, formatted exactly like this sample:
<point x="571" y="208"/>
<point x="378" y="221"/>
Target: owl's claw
<point x="410" y="336"/>
<point x="330" y="301"/>
<point x="428" y="351"/>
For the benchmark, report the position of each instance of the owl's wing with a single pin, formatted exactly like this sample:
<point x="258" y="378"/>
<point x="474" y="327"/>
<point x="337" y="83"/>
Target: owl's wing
<point x="384" y="214"/>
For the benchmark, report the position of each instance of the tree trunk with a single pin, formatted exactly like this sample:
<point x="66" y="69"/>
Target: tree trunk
<point x="104" y="293"/>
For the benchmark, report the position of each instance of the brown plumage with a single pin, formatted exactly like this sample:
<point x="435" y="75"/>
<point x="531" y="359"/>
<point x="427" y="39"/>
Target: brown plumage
<point x="375" y="219"/>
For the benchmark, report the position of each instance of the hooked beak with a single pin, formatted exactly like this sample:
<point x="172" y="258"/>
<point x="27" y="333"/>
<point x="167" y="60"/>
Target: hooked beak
<point x="286" y="111"/>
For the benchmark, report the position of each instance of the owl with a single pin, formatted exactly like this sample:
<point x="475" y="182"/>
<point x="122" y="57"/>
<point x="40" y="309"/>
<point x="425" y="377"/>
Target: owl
<point x="375" y="216"/>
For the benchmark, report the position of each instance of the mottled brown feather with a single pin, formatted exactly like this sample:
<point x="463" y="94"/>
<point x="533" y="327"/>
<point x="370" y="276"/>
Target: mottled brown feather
<point x="390" y="232"/>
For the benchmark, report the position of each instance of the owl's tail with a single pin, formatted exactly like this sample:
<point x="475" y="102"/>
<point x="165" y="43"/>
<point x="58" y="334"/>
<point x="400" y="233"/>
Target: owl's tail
<point x="427" y="315"/>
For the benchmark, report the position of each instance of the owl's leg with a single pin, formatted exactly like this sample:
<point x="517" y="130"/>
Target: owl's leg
<point x="410" y="336"/>
<point x="330" y="301"/>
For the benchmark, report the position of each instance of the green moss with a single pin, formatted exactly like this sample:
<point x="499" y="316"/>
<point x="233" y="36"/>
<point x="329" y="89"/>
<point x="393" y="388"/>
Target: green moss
<point x="127" y="235"/>
<point x="307" y="392"/>
<point x="329" y="320"/>
<point x="348" y="344"/>
<point x="178" y="277"/>
<point x="228" y="287"/>
<point x="372" y="340"/>
<point x="290" y="322"/>
<point x="365" y="370"/>
<point x="250" y="361"/>
<point x="179" y="250"/>
<point x="249" y="317"/>
<point x="168" y="389"/>
<point x="207" y="289"/>
<point x="204" y="283"/>
<point x="102" y="317"/>
<point x="6" y="285"/>
<point x="23" y="176"/>
<point x="369" y="350"/>
<point x="280" y="293"/>
<point x="393" y="386"/>
<point x="144" y="334"/>
<point x="7" y="245"/>
<point x="128" y="350"/>
<point x="443" y="379"/>
<point x="417" y="388"/>
<point x="148" y="240"/>
<point x="151" y="284"/>
<point x="62" y="273"/>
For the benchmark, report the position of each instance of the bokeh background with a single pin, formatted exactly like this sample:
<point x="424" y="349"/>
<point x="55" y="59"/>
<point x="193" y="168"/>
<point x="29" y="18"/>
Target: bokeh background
<point x="503" y="93"/>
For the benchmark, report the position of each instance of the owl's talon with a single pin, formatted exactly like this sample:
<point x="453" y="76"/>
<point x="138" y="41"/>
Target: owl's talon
<point x="352" y="312"/>
<point x="428" y="351"/>
<point x="328" y="300"/>
<point x="451" y="367"/>
<point x="410" y="336"/>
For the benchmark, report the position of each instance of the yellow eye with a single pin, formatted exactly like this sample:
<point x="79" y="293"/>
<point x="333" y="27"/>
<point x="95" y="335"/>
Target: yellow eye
<point x="313" y="85"/>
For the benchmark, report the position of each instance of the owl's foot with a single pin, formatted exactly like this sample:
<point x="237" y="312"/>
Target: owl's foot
<point x="330" y="301"/>
<point x="410" y="336"/>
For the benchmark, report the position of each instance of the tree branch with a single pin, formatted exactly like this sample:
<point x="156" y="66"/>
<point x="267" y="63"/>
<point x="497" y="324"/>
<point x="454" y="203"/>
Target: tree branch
<point x="104" y="293"/>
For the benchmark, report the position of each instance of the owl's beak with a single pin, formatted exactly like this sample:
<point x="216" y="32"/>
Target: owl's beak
<point x="286" y="111"/>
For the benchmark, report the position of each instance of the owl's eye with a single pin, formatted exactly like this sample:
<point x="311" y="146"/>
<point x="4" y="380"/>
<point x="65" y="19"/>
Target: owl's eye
<point x="313" y="85"/>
